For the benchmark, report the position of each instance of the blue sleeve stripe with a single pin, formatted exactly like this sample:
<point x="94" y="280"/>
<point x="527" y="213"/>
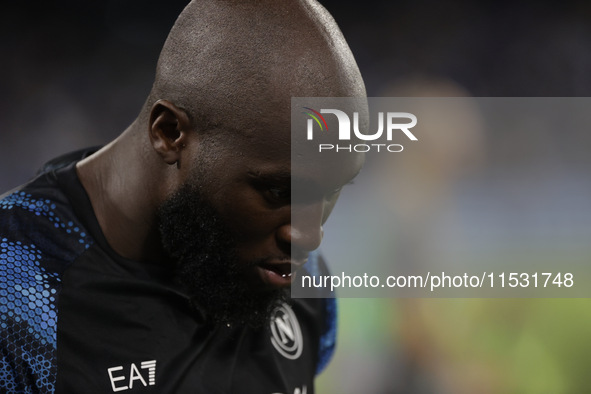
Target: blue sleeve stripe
<point x="329" y="333"/>
<point x="329" y="337"/>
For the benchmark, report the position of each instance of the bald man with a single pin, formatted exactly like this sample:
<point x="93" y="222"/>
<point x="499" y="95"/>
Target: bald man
<point x="161" y="262"/>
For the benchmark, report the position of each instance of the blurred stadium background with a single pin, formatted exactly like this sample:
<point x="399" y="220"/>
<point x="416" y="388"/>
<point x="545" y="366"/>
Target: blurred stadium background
<point x="76" y="73"/>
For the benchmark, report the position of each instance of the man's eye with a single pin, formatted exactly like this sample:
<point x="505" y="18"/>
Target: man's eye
<point x="279" y="193"/>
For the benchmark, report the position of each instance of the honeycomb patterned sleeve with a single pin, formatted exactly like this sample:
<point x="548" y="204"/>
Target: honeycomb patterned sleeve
<point x="39" y="238"/>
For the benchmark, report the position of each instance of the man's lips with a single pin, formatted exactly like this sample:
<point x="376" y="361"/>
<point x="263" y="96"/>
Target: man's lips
<point x="281" y="269"/>
<point x="279" y="273"/>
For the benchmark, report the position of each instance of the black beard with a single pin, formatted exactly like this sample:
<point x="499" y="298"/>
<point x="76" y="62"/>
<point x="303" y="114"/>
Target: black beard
<point x="204" y="251"/>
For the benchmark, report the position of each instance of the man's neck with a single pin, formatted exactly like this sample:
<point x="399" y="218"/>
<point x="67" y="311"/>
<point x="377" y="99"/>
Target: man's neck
<point x="120" y="182"/>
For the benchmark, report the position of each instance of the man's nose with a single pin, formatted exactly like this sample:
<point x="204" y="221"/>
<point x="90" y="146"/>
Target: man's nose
<point x="304" y="232"/>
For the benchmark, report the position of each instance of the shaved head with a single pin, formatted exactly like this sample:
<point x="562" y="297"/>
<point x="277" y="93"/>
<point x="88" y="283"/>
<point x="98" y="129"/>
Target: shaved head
<point x="202" y="178"/>
<point x="227" y="61"/>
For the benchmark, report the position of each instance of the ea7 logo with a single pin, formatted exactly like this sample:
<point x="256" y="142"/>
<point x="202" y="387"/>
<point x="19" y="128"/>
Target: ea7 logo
<point x="392" y="124"/>
<point x="133" y="375"/>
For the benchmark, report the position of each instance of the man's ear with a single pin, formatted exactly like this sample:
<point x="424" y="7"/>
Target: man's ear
<point x="169" y="126"/>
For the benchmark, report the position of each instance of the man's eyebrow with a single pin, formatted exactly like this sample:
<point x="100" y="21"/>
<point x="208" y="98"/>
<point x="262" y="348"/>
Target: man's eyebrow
<point x="275" y="176"/>
<point x="281" y="177"/>
<point x="286" y="177"/>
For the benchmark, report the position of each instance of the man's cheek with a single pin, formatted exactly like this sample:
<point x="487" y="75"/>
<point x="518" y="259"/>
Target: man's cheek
<point x="252" y="225"/>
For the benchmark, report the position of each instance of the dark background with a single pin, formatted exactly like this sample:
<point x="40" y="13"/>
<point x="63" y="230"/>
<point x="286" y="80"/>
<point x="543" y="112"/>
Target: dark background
<point x="76" y="73"/>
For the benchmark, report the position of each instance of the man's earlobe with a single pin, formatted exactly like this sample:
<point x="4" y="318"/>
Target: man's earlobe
<point x="168" y="127"/>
